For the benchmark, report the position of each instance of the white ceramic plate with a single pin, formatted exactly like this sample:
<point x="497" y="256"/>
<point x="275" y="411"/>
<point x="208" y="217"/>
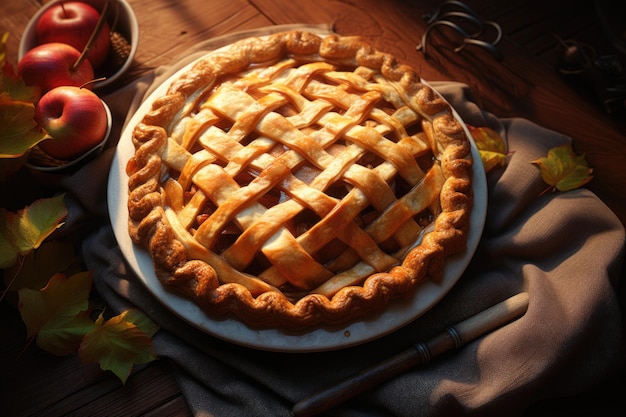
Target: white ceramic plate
<point x="394" y="317"/>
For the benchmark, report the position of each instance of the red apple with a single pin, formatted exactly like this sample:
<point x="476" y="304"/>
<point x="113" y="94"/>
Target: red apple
<point x="51" y="65"/>
<point x="74" y="117"/>
<point x="73" y="23"/>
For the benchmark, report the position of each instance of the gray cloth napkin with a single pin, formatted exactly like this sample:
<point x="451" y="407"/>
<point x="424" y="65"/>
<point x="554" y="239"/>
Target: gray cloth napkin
<point x="564" y="249"/>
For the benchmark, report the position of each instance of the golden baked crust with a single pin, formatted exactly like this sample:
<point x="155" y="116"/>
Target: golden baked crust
<point x="297" y="181"/>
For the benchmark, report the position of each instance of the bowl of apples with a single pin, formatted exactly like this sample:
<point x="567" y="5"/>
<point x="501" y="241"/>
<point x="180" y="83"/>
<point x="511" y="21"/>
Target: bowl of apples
<point x="111" y="23"/>
<point x="77" y="125"/>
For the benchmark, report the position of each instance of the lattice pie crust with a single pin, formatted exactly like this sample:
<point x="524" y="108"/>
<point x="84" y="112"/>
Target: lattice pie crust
<point x="296" y="181"/>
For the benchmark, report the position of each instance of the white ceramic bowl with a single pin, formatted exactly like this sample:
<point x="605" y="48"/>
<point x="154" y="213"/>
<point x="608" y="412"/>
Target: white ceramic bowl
<point x="92" y="153"/>
<point x="126" y="25"/>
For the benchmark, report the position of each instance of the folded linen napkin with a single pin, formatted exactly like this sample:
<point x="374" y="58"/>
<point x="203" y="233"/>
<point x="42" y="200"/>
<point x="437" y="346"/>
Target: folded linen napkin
<point x="564" y="249"/>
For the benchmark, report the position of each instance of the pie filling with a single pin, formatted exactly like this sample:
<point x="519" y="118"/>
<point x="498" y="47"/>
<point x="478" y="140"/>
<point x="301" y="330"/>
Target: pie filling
<point x="297" y="181"/>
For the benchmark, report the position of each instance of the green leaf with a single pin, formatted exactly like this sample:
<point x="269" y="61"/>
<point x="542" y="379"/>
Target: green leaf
<point x="119" y="343"/>
<point x="563" y="170"/>
<point x="62" y="337"/>
<point x="57" y="314"/>
<point x="28" y="228"/>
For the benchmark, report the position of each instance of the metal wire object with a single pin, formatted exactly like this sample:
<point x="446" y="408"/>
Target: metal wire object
<point x="462" y="19"/>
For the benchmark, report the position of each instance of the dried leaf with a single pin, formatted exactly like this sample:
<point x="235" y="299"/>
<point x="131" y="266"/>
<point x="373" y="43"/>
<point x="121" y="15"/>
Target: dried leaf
<point x="563" y="170"/>
<point x="490" y="145"/>
<point x="58" y="313"/>
<point x="120" y="343"/>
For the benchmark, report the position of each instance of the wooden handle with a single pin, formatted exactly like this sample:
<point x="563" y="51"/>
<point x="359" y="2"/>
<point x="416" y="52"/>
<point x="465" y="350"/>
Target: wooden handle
<point x="453" y="338"/>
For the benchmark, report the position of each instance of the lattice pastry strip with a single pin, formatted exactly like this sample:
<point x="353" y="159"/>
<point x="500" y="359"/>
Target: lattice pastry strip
<point x="251" y="109"/>
<point x="252" y="114"/>
<point x="297" y="175"/>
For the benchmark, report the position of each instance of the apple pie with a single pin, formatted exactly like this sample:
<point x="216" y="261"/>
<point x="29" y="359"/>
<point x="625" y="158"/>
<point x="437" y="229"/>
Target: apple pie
<point x="298" y="180"/>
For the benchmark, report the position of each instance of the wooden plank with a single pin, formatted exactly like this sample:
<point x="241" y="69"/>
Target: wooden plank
<point x="516" y="87"/>
<point x="60" y="386"/>
<point x="31" y="370"/>
<point x="168" y="30"/>
<point x="63" y="386"/>
<point x="151" y="388"/>
<point x="13" y="19"/>
<point x="175" y="407"/>
<point x="398" y="35"/>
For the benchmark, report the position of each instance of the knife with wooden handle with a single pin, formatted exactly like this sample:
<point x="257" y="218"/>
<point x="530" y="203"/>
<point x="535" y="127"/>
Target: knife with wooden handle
<point x="452" y="338"/>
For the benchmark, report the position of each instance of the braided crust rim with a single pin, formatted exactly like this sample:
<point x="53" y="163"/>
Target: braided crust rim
<point x="149" y="226"/>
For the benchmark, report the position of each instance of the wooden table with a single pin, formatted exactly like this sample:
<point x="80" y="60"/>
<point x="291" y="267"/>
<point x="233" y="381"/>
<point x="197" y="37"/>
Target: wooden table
<point x="524" y="83"/>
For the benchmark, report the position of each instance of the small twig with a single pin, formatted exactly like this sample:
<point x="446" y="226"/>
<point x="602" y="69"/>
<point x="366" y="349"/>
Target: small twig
<point x="92" y="82"/>
<point x="29" y="342"/>
<point x="13" y="278"/>
<point x="547" y="189"/>
<point x="92" y="38"/>
<point x="117" y="15"/>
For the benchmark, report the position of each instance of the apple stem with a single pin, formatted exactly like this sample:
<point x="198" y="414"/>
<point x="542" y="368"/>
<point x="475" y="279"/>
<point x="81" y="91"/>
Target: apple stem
<point x="92" y="82"/>
<point x="92" y="38"/>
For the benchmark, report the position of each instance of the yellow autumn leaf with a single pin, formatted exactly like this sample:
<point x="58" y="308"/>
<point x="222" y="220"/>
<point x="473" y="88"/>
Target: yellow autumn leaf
<point x="563" y="170"/>
<point x="18" y="130"/>
<point x="26" y="229"/>
<point x="490" y="145"/>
